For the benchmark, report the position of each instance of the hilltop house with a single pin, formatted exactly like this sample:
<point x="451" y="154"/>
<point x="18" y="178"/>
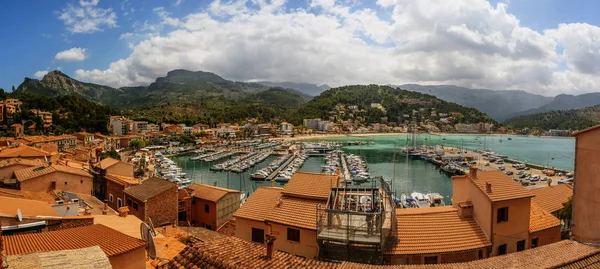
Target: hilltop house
<point x="155" y="200"/>
<point x="211" y="206"/>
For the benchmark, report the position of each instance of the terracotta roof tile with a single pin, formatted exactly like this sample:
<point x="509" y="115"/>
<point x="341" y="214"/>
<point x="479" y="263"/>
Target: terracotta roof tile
<point x="208" y="192"/>
<point x="33" y="172"/>
<point x="150" y="188"/>
<point x="436" y="230"/>
<point x="551" y="198"/>
<point x="29" y="195"/>
<point x="94" y="258"/>
<point x="15" y="161"/>
<point x="232" y="252"/>
<point x="23" y="151"/>
<point x="122" y="179"/>
<point x="310" y="185"/>
<point x="563" y="254"/>
<point x="29" y="208"/>
<point x="107" y="162"/>
<point x="259" y="204"/>
<point x="112" y="242"/>
<point x="540" y="219"/>
<point x="503" y="187"/>
<point x="297" y="212"/>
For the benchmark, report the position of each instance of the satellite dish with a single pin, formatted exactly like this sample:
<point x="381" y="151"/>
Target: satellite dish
<point x="19" y="215"/>
<point x="146" y="235"/>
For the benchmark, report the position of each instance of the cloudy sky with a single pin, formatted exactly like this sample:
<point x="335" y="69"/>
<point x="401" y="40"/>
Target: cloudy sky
<point x="541" y="46"/>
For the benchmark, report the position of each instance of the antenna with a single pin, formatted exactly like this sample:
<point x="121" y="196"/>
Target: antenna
<point x="19" y="215"/>
<point x="146" y="235"/>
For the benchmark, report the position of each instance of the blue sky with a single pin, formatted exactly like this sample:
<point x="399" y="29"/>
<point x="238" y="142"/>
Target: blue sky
<point x="131" y="42"/>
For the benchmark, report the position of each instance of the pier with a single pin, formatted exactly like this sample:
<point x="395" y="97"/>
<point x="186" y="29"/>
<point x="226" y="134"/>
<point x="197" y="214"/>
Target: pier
<point x="281" y="167"/>
<point x="346" y="172"/>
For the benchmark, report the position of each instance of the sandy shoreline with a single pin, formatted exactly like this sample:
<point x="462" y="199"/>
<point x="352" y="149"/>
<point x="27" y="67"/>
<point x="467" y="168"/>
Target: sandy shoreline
<point x="328" y="136"/>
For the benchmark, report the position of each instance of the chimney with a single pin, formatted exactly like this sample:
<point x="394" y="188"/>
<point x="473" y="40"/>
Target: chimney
<point x="473" y="171"/>
<point x="270" y="241"/>
<point x="488" y="187"/>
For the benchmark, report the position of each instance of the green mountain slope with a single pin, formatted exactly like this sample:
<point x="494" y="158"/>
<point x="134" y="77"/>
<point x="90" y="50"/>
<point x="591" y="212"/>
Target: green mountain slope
<point x="397" y="103"/>
<point x="574" y="119"/>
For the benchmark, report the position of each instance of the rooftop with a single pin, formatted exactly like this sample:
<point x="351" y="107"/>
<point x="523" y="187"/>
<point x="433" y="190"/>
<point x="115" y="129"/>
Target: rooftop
<point x="310" y="185"/>
<point x="540" y="219"/>
<point x="296" y="212"/>
<point x="208" y="192"/>
<point x="259" y="204"/>
<point x="551" y="198"/>
<point x="41" y="138"/>
<point x="150" y="188"/>
<point x="436" y="230"/>
<point x="15" y="161"/>
<point x="94" y="258"/>
<point x="122" y="179"/>
<point x="112" y="242"/>
<point x="232" y="252"/>
<point x="29" y="208"/>
<point x="28" y="195"/>
<point x="503" y="187"/>
<point x="106" y="163"/>
<point x="23" y="151"/>
<point x="33" y="172"/>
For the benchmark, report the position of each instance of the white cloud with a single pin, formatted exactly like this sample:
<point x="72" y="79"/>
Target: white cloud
<point x="125" y="35"/>
<point x="469" y="43"/>
<point x="40" y="74"/>
<point x="87" y="17"/>
<point x="178" y="2"/>
<point x="73" y="54"/>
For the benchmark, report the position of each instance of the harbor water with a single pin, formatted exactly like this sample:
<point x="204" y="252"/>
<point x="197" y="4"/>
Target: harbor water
<point x="384" y="158"/>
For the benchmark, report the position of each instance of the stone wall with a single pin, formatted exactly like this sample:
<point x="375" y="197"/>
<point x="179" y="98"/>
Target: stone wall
<point x="117" y="190"/>
<point x="162" y="209"/>
<point x="72" y="222"/>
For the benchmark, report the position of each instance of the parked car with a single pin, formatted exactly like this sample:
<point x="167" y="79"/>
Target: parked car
<point x="534" y="178"/>
<point x="565" y="181"/>
<point x="501" y="168"/>
<point x="544" y="179"/>
<point x="508" y="173"/>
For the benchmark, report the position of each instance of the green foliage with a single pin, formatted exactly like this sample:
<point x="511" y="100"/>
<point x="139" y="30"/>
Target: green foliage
<point x="575" y="119"/>
<point x="397" y="102"/>
<point x="113" y="154"/>
<point x="69" y="113"/>
<point x="565" y="212"/>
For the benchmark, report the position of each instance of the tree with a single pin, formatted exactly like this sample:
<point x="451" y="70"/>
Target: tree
<point x="565" y="212"/>
<point x="113" y="154"/>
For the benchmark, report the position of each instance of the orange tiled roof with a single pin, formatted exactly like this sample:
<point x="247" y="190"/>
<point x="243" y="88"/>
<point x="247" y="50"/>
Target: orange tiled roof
<point x="150" y="188"/>
<point x="27" y="162"/>
<point x="41" y="138"/>
<point x="111" y="241"/>
<point x="29" y="208"/>
<point x="540" y="219"/>
<point x="563" y="254"/>
<point x="232" y="252"/>
<point x="33" y="172"/>
<point x="259" y="204"/>
<point x="23" y="151"/>
<point x="106" y="163"/>
<point x="297" y="212"/>
<point x="209" y="193"/>
<point x="94" y="258"/>
<point x="29" y="195"/>
<point x="122" y="179"/>
<point x="503" y="187"/>
<point x="436" y="230"/>
<point x="310" y="185"/>
<point x="551" y="198"/>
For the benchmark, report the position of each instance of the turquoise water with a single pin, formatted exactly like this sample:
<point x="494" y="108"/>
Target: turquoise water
<point x="410" y="174"/>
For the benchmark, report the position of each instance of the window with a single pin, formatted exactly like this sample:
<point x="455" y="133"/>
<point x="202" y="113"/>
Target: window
<point x="502" y="214"/>
<point x="65" y="183"/>
<point x="502" y="249"/>
<point x="480" y="254"/>
<point x="534" y="243"/>
<point x="206" y="208"/>
<point x="135" y="206"/>
<point x="119" y="202"/>
<point x="110" y="198"/>
<point x="293" y="234"/>
<point x="430" y="260"/>
<point x="521" y="245"/>
<point x="81" y="181"/>
<point x="258" y="235"/>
